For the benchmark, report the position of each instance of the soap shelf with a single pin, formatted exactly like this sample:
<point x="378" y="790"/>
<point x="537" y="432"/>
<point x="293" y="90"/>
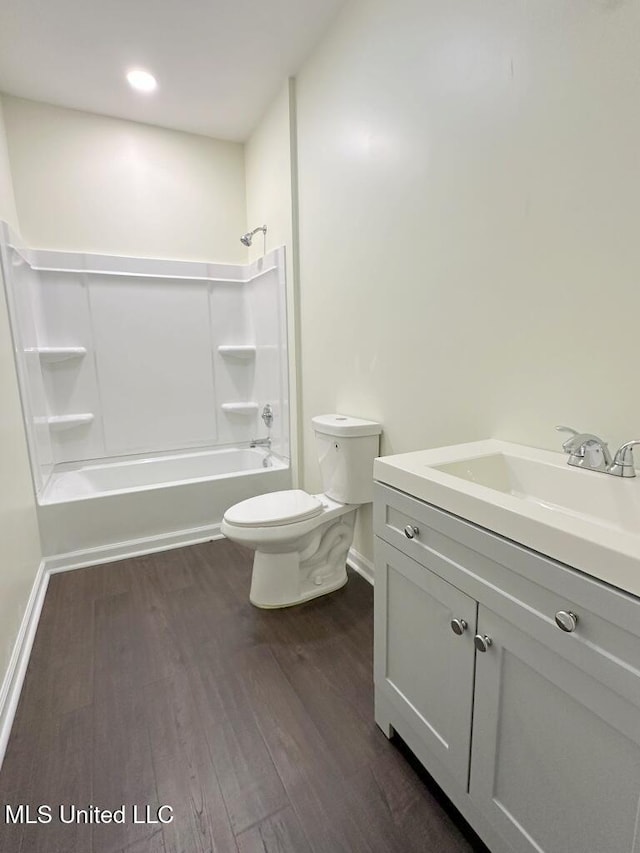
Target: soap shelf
<point x="240" y="351"/>
<point x="239" y="408"/>
<point x="58" y="422"/>
<point x="50" y="355"/>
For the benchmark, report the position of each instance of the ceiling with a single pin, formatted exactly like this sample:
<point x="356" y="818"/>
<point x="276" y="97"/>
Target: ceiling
<point x="218" y="63"/>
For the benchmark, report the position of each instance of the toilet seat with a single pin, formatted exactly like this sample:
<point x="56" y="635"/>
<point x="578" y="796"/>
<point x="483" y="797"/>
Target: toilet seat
<point x="274" y="509"/>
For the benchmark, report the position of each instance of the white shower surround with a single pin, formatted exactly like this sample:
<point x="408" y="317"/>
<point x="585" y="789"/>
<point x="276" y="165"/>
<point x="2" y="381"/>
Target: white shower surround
<point x="146" y="360"/>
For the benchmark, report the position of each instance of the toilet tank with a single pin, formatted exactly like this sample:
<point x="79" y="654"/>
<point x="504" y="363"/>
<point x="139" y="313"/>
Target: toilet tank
<point x="346" y="449"/>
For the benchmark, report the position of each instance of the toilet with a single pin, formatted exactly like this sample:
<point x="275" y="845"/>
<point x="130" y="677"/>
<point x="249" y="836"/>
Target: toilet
<point x="301" y="541"/>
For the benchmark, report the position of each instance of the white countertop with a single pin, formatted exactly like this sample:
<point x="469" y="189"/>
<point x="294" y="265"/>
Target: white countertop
<point x="595" y="527"/>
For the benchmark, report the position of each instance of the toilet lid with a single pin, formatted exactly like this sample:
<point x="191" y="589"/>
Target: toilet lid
<point x="273" y="509"/>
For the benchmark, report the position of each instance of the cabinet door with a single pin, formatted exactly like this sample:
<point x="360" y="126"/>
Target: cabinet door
<point x="555" y="762"/>
<point x="420" y="663"/>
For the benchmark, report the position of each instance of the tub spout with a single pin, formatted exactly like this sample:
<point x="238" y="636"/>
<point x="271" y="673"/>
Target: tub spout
<point x="261" y="442"/>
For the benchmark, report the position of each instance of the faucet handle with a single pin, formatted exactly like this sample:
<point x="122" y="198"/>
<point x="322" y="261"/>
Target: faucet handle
<point x="623" y="464"/>
<point x="267" y="414"/>
<point x="561" y="428"/>
<point x="568" y="444"/>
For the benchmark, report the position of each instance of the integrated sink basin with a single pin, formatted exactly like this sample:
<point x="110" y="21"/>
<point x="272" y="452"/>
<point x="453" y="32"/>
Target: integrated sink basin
<point x="586" y="519"/>
<point x="553" y="485"/>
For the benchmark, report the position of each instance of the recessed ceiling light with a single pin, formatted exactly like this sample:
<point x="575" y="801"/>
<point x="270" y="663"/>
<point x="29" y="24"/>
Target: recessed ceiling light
<point x="141" y="80"/>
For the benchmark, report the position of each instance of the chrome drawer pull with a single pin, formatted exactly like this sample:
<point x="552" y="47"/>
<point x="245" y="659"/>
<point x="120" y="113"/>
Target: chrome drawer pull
<point x="482" y="642"/>
<point x="458" y="626"/>
<point x="410" y="531"/>
<point x="566" y="621"/>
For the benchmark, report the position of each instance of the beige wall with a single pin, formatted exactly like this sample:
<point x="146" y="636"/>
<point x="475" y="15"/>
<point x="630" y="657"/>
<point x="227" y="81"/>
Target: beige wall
<point x="270" y="187"/>
<point x="20" y="546"/>
<point x="469" y="209"/>
<point x="268" y="176"/>
<point x="89" y="183"/>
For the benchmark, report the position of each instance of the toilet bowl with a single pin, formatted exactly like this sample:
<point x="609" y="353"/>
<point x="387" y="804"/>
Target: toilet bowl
<point x="301" y="541"/>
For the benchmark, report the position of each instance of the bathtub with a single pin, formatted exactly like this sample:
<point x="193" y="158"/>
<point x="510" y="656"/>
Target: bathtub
<point x="141" y="504"/>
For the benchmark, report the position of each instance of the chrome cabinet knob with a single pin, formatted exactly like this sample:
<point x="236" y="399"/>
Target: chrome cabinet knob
<point x="566" y="621"/>
<point x="410" y="531"/>
<point x="482" y="642"/>
<point x="458" y="626"/>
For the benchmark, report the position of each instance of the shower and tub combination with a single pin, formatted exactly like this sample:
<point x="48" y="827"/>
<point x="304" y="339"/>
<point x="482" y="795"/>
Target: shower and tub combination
<point x="155" y="392"/>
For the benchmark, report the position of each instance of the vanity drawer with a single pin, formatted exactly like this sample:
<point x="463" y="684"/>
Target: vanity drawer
<point x="524" y="586"/>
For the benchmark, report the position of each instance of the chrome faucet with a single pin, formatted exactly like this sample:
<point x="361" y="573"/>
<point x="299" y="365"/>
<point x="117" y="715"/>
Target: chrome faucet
<point x="267" y="417"/>
<point x="261" y="442"/>
<point x="588" y="451"/>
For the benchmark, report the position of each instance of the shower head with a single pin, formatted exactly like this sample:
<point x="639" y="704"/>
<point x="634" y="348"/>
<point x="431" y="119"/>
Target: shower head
<point x="247" y="238"/>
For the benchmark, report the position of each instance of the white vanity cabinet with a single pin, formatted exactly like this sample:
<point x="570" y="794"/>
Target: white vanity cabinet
<point x="537" y="739"/>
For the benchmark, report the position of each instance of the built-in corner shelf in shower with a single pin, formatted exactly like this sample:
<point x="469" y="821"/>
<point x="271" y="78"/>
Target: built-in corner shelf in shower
<point x="58" y="422"/>
<point x="244" y="351"/>
<point x="239" y="408"/>
<point x="50" y="355"/>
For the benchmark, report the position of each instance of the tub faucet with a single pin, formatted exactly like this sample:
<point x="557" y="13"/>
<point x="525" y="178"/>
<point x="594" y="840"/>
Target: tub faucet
<point x="261" y="442"/>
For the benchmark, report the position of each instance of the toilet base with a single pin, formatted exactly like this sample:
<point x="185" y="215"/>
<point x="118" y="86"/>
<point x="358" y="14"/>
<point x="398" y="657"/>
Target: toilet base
<point x="318" y="568"/>
<point x="259" y="600"/>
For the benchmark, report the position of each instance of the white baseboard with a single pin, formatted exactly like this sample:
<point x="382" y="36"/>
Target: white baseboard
<point x="131" y="548"/>
<point x="14" y="677"/>
<point x="361" y="565"/>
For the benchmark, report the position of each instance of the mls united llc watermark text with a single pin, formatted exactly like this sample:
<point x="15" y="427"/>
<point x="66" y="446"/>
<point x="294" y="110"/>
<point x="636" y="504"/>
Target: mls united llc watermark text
<point x="44" y="813"/>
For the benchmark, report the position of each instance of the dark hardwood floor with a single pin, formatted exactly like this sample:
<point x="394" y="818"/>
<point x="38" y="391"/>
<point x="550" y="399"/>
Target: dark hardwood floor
<point x="153" y="681"/>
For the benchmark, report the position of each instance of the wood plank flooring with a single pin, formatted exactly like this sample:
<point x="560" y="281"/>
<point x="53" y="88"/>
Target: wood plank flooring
<point x="153" y="681"/>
